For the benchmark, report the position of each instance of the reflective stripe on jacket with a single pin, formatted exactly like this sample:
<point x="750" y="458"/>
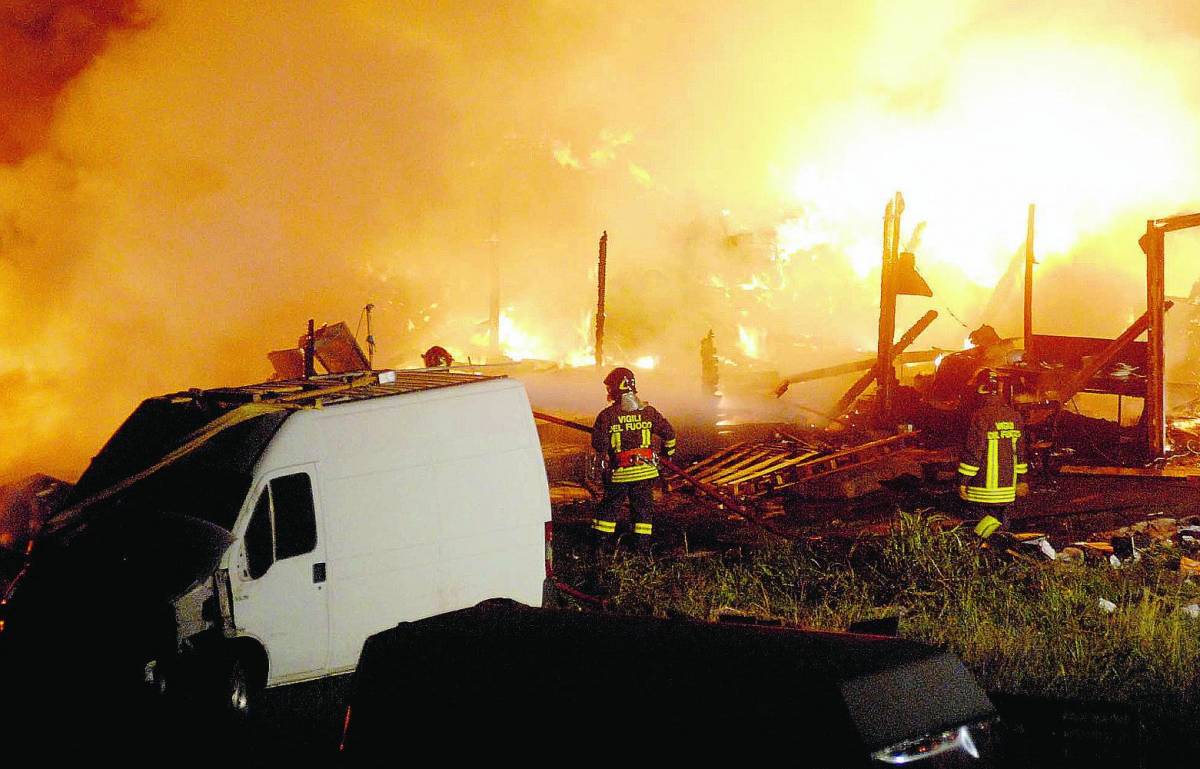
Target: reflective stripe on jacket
<point x="626" y="437"/>
<point x="993" y="455"/>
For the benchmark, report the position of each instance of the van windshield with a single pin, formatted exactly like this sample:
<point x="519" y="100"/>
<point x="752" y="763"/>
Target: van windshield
<point x="208" y="483"/>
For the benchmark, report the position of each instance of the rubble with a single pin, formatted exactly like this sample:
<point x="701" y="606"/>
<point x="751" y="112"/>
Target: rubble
<point x="1145" y="533"/>
<point x="1071" y="554"/>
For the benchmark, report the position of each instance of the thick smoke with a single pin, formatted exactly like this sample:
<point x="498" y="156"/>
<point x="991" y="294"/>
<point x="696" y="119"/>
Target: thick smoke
<point x="183" y="187"/>
<point x="45" y="46"/>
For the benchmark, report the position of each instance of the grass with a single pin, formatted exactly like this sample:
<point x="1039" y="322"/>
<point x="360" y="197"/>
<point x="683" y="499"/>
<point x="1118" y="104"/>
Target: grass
<point x="1023" y="626"/>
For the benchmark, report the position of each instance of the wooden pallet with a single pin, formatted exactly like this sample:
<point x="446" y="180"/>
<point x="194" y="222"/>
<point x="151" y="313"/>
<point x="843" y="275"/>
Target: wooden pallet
<point x="753" y="468"/>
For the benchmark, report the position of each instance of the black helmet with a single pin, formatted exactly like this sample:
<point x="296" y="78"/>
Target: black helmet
<point x="620" y="381"/>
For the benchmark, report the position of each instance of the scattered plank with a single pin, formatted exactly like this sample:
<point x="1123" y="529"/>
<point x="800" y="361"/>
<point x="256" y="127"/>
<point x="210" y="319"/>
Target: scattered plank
<point x="1136" y="472"/>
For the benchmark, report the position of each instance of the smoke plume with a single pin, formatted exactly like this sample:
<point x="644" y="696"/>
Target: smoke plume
<point x="182" y="186"/>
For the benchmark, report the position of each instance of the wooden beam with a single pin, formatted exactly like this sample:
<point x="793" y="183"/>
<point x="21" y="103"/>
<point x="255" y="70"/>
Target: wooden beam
<point x="1152" y="244"/>
<point x="601" y="279"/>
<point x="494" y="303"/>
<point x="1029" y="276"/>
<point x="887" y="307"/>
<point x="1183" y="222"/>
<point x="915" y="356"/>
<point x="865" y="380"/>
<point x="1137" y="472"/>
<point x="1105" y="356"/>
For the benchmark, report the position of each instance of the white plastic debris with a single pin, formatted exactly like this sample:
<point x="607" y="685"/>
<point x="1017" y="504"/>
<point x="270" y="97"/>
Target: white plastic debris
<point x="1107" y="606"/>
<point x="1114" y="561"/>
<point x="1043" y="546"/>
<point x="1191" y="610"/>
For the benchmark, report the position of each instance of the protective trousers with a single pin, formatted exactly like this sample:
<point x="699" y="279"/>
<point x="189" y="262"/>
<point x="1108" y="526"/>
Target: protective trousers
<point x="641" y="504"/>
<point x="980" y="509"/>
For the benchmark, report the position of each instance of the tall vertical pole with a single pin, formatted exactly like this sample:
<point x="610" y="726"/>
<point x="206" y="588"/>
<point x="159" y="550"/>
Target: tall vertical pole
<point x="1029" y="280"/>
<point x="884" y="376"/>
<point x="600" y="281"/>
<point x="370" y="338"/>
<point x="1155" y="402"/>
<point x="310" y="351"/>
<point x="494" y="303"/>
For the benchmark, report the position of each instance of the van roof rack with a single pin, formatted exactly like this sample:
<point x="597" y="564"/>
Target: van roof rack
<point x="327" y="389"/>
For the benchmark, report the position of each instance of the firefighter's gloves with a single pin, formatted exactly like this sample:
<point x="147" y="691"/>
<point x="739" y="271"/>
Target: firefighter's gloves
<point x="1022" y="489"/>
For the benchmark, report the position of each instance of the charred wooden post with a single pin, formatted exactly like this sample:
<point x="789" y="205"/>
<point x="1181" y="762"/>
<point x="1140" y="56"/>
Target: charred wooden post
<point x="710" y="381"/>
<point x="1029" y="262"/>
<point x="601" y="278"/>
<point x="494" y="304"/>
<point x="887" y="313"/>
<point x="885" y="379"/>
<point x="1153" y="244"/>
<point x="1155" y="401"/>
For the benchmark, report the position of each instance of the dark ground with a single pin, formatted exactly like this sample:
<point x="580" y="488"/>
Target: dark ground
<point x="1067" y="508"/>
<point x="302" y="723"/>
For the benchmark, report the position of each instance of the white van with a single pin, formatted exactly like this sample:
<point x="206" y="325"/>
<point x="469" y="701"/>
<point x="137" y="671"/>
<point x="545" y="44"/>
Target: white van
<point x="286" y="522"/>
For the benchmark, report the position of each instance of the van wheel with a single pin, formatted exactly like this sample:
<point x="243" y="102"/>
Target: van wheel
<point x="234" y="682"/>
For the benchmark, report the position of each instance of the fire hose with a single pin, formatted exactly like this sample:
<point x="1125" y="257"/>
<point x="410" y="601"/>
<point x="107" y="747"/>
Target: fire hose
<point x="724" y="500"/>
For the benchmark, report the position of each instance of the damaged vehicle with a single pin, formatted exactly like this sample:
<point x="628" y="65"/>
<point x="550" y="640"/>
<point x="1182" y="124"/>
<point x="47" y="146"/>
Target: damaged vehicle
<point x="223" y="541"/>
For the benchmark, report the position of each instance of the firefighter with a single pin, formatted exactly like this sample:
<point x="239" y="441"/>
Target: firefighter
<point x="993" y="456"/>
<point x="623" y="433"/>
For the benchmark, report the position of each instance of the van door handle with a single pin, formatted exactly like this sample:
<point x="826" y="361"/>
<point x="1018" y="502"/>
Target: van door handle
<point x="318" y="573"/>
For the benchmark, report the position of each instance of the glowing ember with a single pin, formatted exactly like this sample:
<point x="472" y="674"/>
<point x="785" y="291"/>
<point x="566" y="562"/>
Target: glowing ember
<point x="751" y="341"/>
<point x="518" y="342"/>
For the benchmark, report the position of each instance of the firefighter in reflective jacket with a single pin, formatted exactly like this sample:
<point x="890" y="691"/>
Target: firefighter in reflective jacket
<point x="623" y="433"/>
<point x="993" y="457"/>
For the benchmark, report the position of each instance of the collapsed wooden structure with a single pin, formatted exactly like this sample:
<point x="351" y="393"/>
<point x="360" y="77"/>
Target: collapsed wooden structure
<point x="753" y="469"/>
<point x="1054" y="368"/>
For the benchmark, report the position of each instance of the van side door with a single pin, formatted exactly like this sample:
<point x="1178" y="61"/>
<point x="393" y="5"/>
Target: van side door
<point x="278" y="578"/>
